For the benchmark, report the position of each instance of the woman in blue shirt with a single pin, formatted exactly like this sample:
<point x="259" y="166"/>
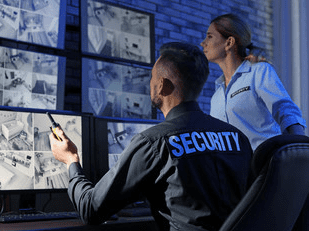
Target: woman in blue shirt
<point x="248" y="95"/>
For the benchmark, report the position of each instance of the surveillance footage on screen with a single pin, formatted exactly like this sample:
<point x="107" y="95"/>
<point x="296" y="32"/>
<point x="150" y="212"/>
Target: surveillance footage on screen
<point x="28" y="79"/>
<point x="116" y="90"/>
<point x="119" y="136"/>
<point x="26" y="160"/>
<point x="117" y="32"/>
<point x="33" y="21"/>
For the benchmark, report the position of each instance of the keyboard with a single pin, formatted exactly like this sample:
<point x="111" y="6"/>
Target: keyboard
<point x="134" y="212"/>
<point x="38" y="216"/>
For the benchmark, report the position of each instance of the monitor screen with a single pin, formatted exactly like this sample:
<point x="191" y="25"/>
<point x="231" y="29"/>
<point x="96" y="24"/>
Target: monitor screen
<point x="116" y="90"/>
<point x="37" y="22"/>
<point x="116" y="31"/>
<point x="26" y="160"/>
<point x="112" y="136"/>
<point x="31" y="80"/>
<point x="119" y="135"/>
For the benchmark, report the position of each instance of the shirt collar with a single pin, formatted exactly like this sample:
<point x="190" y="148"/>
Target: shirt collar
<point x="182" y="108"/>
<point x="244" y="67"/>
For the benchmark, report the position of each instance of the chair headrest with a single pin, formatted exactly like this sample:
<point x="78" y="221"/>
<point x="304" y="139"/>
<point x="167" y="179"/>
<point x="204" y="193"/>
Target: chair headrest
<point x="266" y="150"/>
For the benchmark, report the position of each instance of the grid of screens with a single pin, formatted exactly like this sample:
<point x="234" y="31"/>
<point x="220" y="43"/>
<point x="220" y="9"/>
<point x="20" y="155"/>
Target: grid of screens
<point x="26" y="160"/>
<point x="34" y="21"/>
<point x="116" y="32"/>
<point x="119" y="135"/>
<point x="115" y="90"/>
<point x="31" y="80"/>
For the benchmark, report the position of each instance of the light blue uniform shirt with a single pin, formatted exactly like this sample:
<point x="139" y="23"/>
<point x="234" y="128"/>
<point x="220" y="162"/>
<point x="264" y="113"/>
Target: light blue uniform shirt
<point x="256" y="102"/>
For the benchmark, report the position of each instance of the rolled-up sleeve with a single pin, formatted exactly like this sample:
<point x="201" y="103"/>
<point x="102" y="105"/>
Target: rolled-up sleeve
<point x="134" y="172"/>
<point x="271" y="90"/>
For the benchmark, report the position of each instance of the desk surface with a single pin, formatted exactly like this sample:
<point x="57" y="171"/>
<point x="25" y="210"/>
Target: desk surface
<point x="123" y="223"/>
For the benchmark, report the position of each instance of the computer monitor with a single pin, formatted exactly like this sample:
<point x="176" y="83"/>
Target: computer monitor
<point x="119" y="135"/>
<point x="117" y="32"/>
<point x="26" y="160"/>
<point x="112" y="136"/>
<point x="36" y="22"/>
<point x="31" y="79"/>
<point x="116" y="90"/>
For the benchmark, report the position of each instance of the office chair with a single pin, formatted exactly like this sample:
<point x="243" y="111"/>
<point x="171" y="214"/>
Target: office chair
<point x="275" y="199"/>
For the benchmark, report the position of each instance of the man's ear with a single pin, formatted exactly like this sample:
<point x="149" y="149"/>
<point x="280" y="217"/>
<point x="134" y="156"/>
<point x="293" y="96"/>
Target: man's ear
<point x="167" y="87"/>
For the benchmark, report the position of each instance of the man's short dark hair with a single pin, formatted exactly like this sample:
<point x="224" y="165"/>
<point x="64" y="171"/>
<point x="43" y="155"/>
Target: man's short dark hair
<point x="190" y="63"/>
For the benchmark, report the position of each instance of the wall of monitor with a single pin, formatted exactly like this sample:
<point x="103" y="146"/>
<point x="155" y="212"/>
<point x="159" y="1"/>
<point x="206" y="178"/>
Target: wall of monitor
<point x="111" y="66"/>
<point x="106" y="75"/>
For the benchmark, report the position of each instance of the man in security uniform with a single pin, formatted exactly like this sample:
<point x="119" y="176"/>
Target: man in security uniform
<point x="192" y="168"/>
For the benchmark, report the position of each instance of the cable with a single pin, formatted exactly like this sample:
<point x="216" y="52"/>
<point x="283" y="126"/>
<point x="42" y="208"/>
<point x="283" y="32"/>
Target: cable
<point x="2" y="204"/>
<point x="47" y="202"/>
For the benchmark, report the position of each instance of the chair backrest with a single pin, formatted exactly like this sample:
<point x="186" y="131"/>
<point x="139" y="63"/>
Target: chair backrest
<point x="302" y="223"/>
<point x="280" y="168"/>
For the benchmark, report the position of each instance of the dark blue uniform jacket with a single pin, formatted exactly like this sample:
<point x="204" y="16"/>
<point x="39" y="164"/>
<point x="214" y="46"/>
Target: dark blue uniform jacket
<point x="192" y="168"/>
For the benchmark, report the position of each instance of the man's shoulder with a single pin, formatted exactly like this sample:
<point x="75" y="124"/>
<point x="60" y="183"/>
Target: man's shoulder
<point x="197" y="121"/>
<point x="158" y="129"/>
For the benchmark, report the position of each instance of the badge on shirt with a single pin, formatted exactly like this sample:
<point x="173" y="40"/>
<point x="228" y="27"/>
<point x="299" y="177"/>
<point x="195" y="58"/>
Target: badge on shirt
<point x="240" y="91"/>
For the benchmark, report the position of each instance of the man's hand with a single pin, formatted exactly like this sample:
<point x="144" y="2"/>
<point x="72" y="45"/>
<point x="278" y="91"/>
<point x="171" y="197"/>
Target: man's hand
<point x="65" y="150"/>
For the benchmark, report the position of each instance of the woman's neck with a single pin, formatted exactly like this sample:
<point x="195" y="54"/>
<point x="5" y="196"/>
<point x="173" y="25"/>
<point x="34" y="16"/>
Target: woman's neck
<point x="229" y="66"/>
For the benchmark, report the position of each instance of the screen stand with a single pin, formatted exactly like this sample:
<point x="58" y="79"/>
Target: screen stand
<point x="27" y="203"/>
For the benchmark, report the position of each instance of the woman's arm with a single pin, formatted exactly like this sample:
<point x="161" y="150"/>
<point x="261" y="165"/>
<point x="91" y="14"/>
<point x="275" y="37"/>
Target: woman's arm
<point x="295" y="129"/>
<point x="284" y="111"/>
